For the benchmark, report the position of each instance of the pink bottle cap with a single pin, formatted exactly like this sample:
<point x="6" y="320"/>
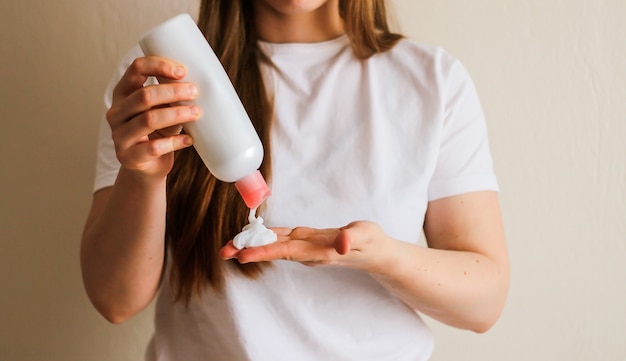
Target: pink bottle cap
<point x="253" y="189"/>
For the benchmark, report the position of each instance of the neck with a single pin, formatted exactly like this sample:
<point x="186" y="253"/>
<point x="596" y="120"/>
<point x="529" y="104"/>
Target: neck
<point x="293" y="26"/>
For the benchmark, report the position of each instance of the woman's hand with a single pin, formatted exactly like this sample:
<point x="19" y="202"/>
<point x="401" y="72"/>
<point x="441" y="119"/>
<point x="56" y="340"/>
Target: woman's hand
<point x="122" y="250"/>
<point x="360" y="245"/>
<point x="145" y="128"/>
<point x="461" y="278"/>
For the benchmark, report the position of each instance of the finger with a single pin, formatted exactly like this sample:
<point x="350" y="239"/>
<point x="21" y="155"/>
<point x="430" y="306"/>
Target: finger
<point x="168" y="131"/>
<point x="271" y="252"/>
<point x="300" y="232"/>
<point x="159" y="95"/>
<point x="144" y="152"/>
<point x="128" y="134"/>
<point x="281" y="231"/>
<point x="292" y="250"/>
<point x="229" y="251"/>
<point x="306" y="232"/>
<point x="142" y="68"/>
<point x="149" y="97"/>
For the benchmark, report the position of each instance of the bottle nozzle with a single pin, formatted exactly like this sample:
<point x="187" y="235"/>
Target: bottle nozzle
<point x="253" y="189"/>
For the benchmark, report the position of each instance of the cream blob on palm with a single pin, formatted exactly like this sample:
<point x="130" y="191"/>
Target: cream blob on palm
<point x="254" y="234"/>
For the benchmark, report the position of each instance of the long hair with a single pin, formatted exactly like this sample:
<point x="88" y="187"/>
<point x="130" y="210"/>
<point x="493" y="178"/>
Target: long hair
<point x="203" y="213"/>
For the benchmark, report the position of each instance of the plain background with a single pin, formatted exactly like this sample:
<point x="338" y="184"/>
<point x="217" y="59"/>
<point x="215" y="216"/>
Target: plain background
<point x="552" y="79"/>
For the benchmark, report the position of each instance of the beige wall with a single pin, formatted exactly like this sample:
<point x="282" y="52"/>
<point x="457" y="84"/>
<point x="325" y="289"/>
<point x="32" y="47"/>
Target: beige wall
<point x="552" y="77"/>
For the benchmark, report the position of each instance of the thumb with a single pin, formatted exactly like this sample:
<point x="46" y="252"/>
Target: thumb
<point x="342" y="242"/>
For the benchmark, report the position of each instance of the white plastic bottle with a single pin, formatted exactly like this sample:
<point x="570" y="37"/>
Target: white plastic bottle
<point x="224" y="136"/>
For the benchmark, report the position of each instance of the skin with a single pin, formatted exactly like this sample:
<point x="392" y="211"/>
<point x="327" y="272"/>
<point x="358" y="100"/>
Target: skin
<point x="461" y="278"/>
<point x="304" y="21"/>
<point x="122" y="249"/>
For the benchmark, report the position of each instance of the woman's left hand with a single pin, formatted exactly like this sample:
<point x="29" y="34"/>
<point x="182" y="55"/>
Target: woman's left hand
<point x="460" y="279"/>
<point x="360" y="245"/>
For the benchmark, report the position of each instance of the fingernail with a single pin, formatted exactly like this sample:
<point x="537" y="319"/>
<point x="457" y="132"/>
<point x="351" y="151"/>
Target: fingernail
<point x="179" y="71"/>
<point x="187" y="140"/>
<point x="194" y="110"/>
<point x="193" y="90"/>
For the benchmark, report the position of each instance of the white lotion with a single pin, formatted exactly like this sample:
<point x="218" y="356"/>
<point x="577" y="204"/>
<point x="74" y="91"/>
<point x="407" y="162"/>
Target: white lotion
<point x="223" y="135"/>
<point x="254" y="234"/>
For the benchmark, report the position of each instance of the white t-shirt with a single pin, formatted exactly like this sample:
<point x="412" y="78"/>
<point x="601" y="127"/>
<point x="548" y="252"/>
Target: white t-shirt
<point x="353" y="139"/>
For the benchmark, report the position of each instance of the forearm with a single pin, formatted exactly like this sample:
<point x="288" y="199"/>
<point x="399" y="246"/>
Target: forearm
<point x="463" y="289"/>
<point x="122" y="250"/>
<point x="461" y="280"/>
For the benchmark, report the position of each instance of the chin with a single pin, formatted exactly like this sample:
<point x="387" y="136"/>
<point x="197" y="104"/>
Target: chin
<point x="294" y="7"/>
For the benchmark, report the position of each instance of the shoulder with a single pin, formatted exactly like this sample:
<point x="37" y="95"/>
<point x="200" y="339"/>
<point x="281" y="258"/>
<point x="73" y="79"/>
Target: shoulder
<point x="418" y="51"/>
<point x="426" y="62"/>
<point x="124" y="62"/>
<point x="120" y="68"/>
<point x="127" y="59"/>
<point x="131" y="54"/>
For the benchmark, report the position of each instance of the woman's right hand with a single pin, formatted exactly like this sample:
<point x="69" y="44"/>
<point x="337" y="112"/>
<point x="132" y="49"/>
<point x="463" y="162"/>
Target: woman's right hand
<point x="122" y="250"/>
<point x="145" y="124"/>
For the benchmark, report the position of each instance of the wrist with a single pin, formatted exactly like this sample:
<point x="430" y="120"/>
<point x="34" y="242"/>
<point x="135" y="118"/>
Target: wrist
<point x="391" y="257"/>
<point x="381" y="253"/>
<point x="136" y="179"/>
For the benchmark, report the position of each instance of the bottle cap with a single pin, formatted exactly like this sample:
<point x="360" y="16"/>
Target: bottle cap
<point x="253" y="189"/>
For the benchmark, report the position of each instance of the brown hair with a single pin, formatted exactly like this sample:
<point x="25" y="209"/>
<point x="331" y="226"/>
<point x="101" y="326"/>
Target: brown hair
<point x="204" y="213"/>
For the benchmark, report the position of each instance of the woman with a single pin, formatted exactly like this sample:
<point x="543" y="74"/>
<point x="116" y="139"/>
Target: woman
<point x="369" y="139"/>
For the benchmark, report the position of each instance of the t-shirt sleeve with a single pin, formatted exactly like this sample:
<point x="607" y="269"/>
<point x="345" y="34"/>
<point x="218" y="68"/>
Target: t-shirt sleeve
<point x="464" y="162"/>
<point x="107" y="165"/>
